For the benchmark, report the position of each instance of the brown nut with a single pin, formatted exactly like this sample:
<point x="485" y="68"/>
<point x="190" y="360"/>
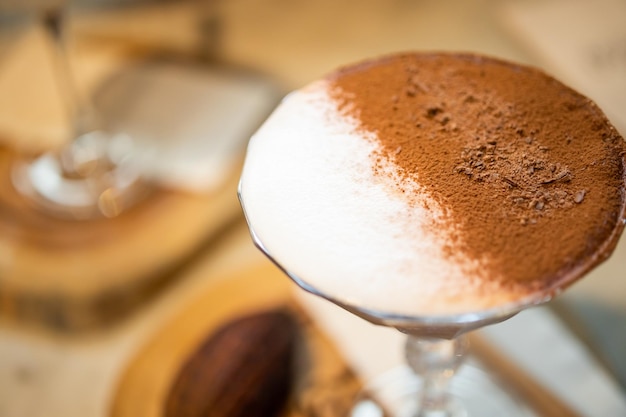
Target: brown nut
<point x="244" y="369"/>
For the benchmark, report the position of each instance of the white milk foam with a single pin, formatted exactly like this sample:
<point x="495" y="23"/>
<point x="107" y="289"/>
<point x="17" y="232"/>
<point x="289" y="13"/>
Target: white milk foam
<point x="313" y="200"/>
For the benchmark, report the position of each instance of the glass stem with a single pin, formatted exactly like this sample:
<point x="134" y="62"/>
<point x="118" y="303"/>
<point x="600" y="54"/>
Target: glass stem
<point x="54" y="23"/>
<point x="210" y="29"/>
<point x="93" y="173"/>
<point x="76" y="159"/>
<point x="436" y="362"/>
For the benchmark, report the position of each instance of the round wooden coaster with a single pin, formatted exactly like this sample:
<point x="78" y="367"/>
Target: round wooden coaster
<point x="75" y="275"/>
<point x="323" y="386"/>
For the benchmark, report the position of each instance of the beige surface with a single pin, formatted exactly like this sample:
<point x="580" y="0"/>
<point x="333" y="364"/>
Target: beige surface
<point x="54" y="376"/>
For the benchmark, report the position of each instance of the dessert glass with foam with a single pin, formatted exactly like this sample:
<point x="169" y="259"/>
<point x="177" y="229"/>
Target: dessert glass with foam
<point x="309" y="175"/>
<point x="427" y="191"/>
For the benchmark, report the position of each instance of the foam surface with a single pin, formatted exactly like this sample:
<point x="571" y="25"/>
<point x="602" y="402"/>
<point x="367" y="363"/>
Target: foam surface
<point x="313" y="200"/>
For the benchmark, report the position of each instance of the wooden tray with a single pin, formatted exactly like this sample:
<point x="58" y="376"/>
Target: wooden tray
<point x="324" y="385"/>
<point x="73" y="275"/>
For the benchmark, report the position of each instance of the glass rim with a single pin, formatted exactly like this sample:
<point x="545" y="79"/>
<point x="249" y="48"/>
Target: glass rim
<point x="468" y="320"/>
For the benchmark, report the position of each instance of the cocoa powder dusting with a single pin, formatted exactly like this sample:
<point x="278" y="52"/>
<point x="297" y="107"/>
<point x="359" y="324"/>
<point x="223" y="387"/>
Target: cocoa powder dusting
<point x="531" y="173"/>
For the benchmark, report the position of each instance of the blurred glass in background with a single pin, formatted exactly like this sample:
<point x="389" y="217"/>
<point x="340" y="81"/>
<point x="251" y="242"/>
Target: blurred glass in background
<point x="86" y="114"/>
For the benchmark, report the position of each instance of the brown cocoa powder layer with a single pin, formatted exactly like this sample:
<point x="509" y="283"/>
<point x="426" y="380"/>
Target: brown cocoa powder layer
<point x="531" y="173"/>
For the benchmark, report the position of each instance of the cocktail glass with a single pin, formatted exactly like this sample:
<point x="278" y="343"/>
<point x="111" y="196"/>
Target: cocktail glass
<point x="93" y="174"/>
<point x="435" y="348"/>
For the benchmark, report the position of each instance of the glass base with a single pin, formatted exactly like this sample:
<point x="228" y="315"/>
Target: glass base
<point x="92" y="178"/>
<point x="473" y="394"/>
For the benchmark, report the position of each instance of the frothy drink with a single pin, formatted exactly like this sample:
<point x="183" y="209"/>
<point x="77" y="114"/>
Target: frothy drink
<point x="436" y="184"/>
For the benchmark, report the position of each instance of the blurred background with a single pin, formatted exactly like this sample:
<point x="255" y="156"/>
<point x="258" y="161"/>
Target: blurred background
<point x="99" y="253"/>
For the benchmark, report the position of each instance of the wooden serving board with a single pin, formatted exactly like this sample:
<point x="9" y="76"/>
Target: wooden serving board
<point x="324" y="385"/>
<point x="73" y="275"/>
